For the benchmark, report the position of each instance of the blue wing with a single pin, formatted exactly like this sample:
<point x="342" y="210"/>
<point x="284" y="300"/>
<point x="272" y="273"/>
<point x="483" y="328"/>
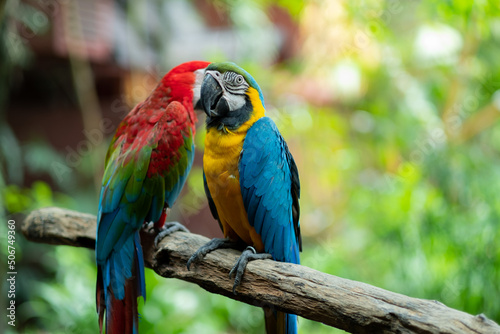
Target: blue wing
<point x="123" y="209"/>
<point x="270" y="189"/>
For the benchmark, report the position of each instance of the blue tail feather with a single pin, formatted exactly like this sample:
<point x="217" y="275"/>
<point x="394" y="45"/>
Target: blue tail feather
<point x="121" y="281"/>
<point x="291" y="324"/>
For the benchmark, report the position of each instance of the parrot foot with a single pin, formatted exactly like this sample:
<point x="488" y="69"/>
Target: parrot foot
<point x="210" y="246"/>
<point x="168" y="229"/>
<point x="249" y="254"/>
<point x="149" y="227"/>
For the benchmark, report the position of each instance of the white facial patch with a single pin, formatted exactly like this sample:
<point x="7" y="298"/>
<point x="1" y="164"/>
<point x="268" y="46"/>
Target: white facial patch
<point x="235" y="87"/>
<point x="234" y="102"/>
<point x="199" y="75"/>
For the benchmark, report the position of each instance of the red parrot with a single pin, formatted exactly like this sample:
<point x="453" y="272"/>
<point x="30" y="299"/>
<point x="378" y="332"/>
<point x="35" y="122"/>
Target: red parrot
<point x="146" y="167"/>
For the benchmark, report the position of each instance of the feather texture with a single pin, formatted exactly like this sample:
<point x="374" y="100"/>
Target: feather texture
<point x="266" y="185"/>
<point x="270" y="188"/>
<point x="146" y="167"/>
<point x="251" y="179"/>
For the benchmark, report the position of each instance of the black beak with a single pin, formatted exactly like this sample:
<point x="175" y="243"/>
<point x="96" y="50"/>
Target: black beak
<point x="211" y="97"/>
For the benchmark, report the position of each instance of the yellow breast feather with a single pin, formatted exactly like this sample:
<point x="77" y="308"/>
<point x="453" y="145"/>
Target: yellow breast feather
<point x="220" y="164"/>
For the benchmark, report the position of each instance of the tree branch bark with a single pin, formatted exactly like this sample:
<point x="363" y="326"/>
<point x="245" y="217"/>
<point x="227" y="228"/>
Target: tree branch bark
<point x="342" y="303"/>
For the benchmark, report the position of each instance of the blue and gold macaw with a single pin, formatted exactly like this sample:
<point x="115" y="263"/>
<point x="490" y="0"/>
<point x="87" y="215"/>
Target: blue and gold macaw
<point x="251" y="180"/>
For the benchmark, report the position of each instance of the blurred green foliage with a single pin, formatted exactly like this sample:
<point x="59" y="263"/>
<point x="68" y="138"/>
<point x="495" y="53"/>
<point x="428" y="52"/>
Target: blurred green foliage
<point x="393" y="193"/>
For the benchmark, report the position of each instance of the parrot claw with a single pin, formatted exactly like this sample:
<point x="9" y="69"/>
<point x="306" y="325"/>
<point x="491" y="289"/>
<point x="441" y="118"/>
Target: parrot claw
<point x="210" y="246"/>
<point x="149" y="227"/>
<point x="249" y="254"/>
<point x="168" y="229"/>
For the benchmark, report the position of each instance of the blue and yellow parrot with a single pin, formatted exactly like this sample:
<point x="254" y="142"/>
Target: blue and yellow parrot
<point x="251" y="180"/>
<point x="146" y="166"/>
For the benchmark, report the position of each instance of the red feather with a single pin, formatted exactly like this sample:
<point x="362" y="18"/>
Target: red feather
<point x="162" y="121"/>
<point x="175" y="86"/>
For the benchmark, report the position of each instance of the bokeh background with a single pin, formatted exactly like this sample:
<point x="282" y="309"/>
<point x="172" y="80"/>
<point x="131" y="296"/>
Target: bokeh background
<point x="390" y="109"/>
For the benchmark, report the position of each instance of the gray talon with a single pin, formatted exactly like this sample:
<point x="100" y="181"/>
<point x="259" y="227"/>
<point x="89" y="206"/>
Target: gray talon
<point x="168" y="229"/>
<point x="149" y="227"/>
<point x="210" y="246"/>
<point x="249" y="254"/>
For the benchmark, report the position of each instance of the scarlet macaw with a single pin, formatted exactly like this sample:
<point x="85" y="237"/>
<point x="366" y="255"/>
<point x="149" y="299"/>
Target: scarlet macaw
<point x="251" y="180"/>
<point x="146" y="167"/>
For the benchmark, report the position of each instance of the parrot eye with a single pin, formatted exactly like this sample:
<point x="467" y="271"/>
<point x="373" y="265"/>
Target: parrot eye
<point x="239" y="79"/>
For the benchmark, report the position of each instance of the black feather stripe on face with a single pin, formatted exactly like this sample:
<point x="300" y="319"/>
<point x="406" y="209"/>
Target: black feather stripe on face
<point x="232" y="120"/>
<point x="235" y="83"/>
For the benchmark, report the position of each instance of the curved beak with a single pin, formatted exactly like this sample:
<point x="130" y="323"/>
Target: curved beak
<point x="211" y="93"/>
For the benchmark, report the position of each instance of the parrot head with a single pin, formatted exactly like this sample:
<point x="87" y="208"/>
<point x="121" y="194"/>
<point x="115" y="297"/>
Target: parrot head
<point x="183" y="82"/>
<point x="229" y="96"/>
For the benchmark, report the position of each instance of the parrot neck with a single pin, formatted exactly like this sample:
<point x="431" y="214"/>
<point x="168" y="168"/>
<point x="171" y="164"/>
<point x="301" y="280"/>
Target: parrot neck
<point x="181" y="85"/>
<point x="258" y="104"/>
<point x="220" y="140"/>
<point x="239" y="120"/>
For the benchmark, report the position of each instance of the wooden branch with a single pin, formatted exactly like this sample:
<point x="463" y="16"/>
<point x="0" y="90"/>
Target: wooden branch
<point x="349" y="305"/>
<point x="478" y="122"/>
